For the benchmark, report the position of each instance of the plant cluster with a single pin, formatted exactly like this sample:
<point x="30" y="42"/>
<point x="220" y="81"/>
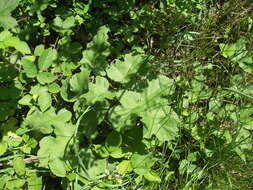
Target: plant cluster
<point x="126" y="94"/>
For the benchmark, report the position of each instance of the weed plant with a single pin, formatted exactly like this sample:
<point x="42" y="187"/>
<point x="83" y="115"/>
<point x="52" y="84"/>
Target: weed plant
<point x="126" y="95"/>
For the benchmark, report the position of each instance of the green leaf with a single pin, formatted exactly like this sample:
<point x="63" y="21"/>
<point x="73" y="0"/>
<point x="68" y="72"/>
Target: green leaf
<point x="98" y="91"/>
<point x="240" y="153"/>
<point x="79" y="82"/>
<point x="19" y="165"/>
<point x="22" y="47"/>
<point x="64" y="115"/>
<point x="114" y="139"/>
<point x="69" y="22"/>
<point x="63" y="130"/>
<point x="92" y="118"/>
<point x="132" y="101"/>
<point x="47" y="58"/>
<point x="75" y="86"/>
<point x="133" y="138"/>
<point x="29" y="66"/>
<point x="45" y="77"/>
<point x="243" y="139"/>
<point x="38" y="89"/>
<point x="3" y="148"/>
<point x="26" y="149"/>
<point x="94" y="166"/>
<point x="6" y="7"/>
<point x="63" y="26"/>
<point x="124" y="167"/>
<point x="4" y="34"/>
<point x="235" y="51"/>
<point x="122" y="71"/>
<point x="162" y="86"/>
<point x="228" y="50"/>
<point x="39" y="50"/>
<point x="245" y="115"/>
<point x="39" y="6"/>
<point x="7" y="21"/>
<point x="41" y="121"/>
<point x="162" y="122"/>
<point x="57" y="23"/>
<point x="246" y="63"/>
<point x="152" y="177"/>
<point x="184" y="166"/>
<point x="126" y="113"/>
<point x="25" y="100"/>
<point x="135" y="104"/>
<point x="112" y="143"/>
<point x="97" y="50"/>
<point x="16" y="183"/>
<point x="121" y="118"/>
<point x="97" y="168"/>
<point x="19" y="45"/>
<point x="116" y="152"/>
<point x="11" y="41"/>
<point x="44" y="101"/>
<point x="51" y="148"/>
<point x="141" y="164"/>
<point x="101" y="150"/>
<point x="14" y="140"/>
<point x="57" y="166"/>
<point x="34" y="182"/>
<point x="157" y="88"/>
<point x="54" y="88"/>
<point x="192" y="157"/>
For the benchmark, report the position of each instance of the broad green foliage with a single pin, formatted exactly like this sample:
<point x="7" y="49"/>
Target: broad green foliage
<point x="6" y="7"/>
<point x="51" y="154"/>
<point x="113" y="143"/>
<point x="135" y="104"/>
<point x="161" y="123"/>
<point x="41" y="121"/>
<point x="141" y="164"/>
<point x="125" y="95"/>
<point x="98" y="91"/>
<point x="29" y="67"/>
<point x="19" y="166"/>
<point x="97" y="50"/>
<point x="3" y="148"/>
<point x="237" y="52"/>
<point x="8" y="40"/>
<point x="52" y="149"/>
<point x="63" y="26"/>
<point x="75" y="86"/>
<point x="122" y="71"/>
<point x="46" y="58"/>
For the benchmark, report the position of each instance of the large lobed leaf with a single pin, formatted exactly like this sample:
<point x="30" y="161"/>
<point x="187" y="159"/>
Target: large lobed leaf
<point x="47" y="58"/>
<point x="162" y="122"/>
<point x="98" y="91"/>
<point x="75" y="86"/>
<point x="159" y="119"/>
<point x="122" y="71"/>
<point x="6" y="20"/>
<point x="97" y="50"/>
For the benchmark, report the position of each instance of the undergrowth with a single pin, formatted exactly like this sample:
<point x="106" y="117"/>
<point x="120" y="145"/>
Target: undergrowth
<point x="142" y="95"/>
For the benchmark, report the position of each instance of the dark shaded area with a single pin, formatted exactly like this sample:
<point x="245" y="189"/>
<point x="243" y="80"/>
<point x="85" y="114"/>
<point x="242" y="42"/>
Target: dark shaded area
<point x="9" y="93"/>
